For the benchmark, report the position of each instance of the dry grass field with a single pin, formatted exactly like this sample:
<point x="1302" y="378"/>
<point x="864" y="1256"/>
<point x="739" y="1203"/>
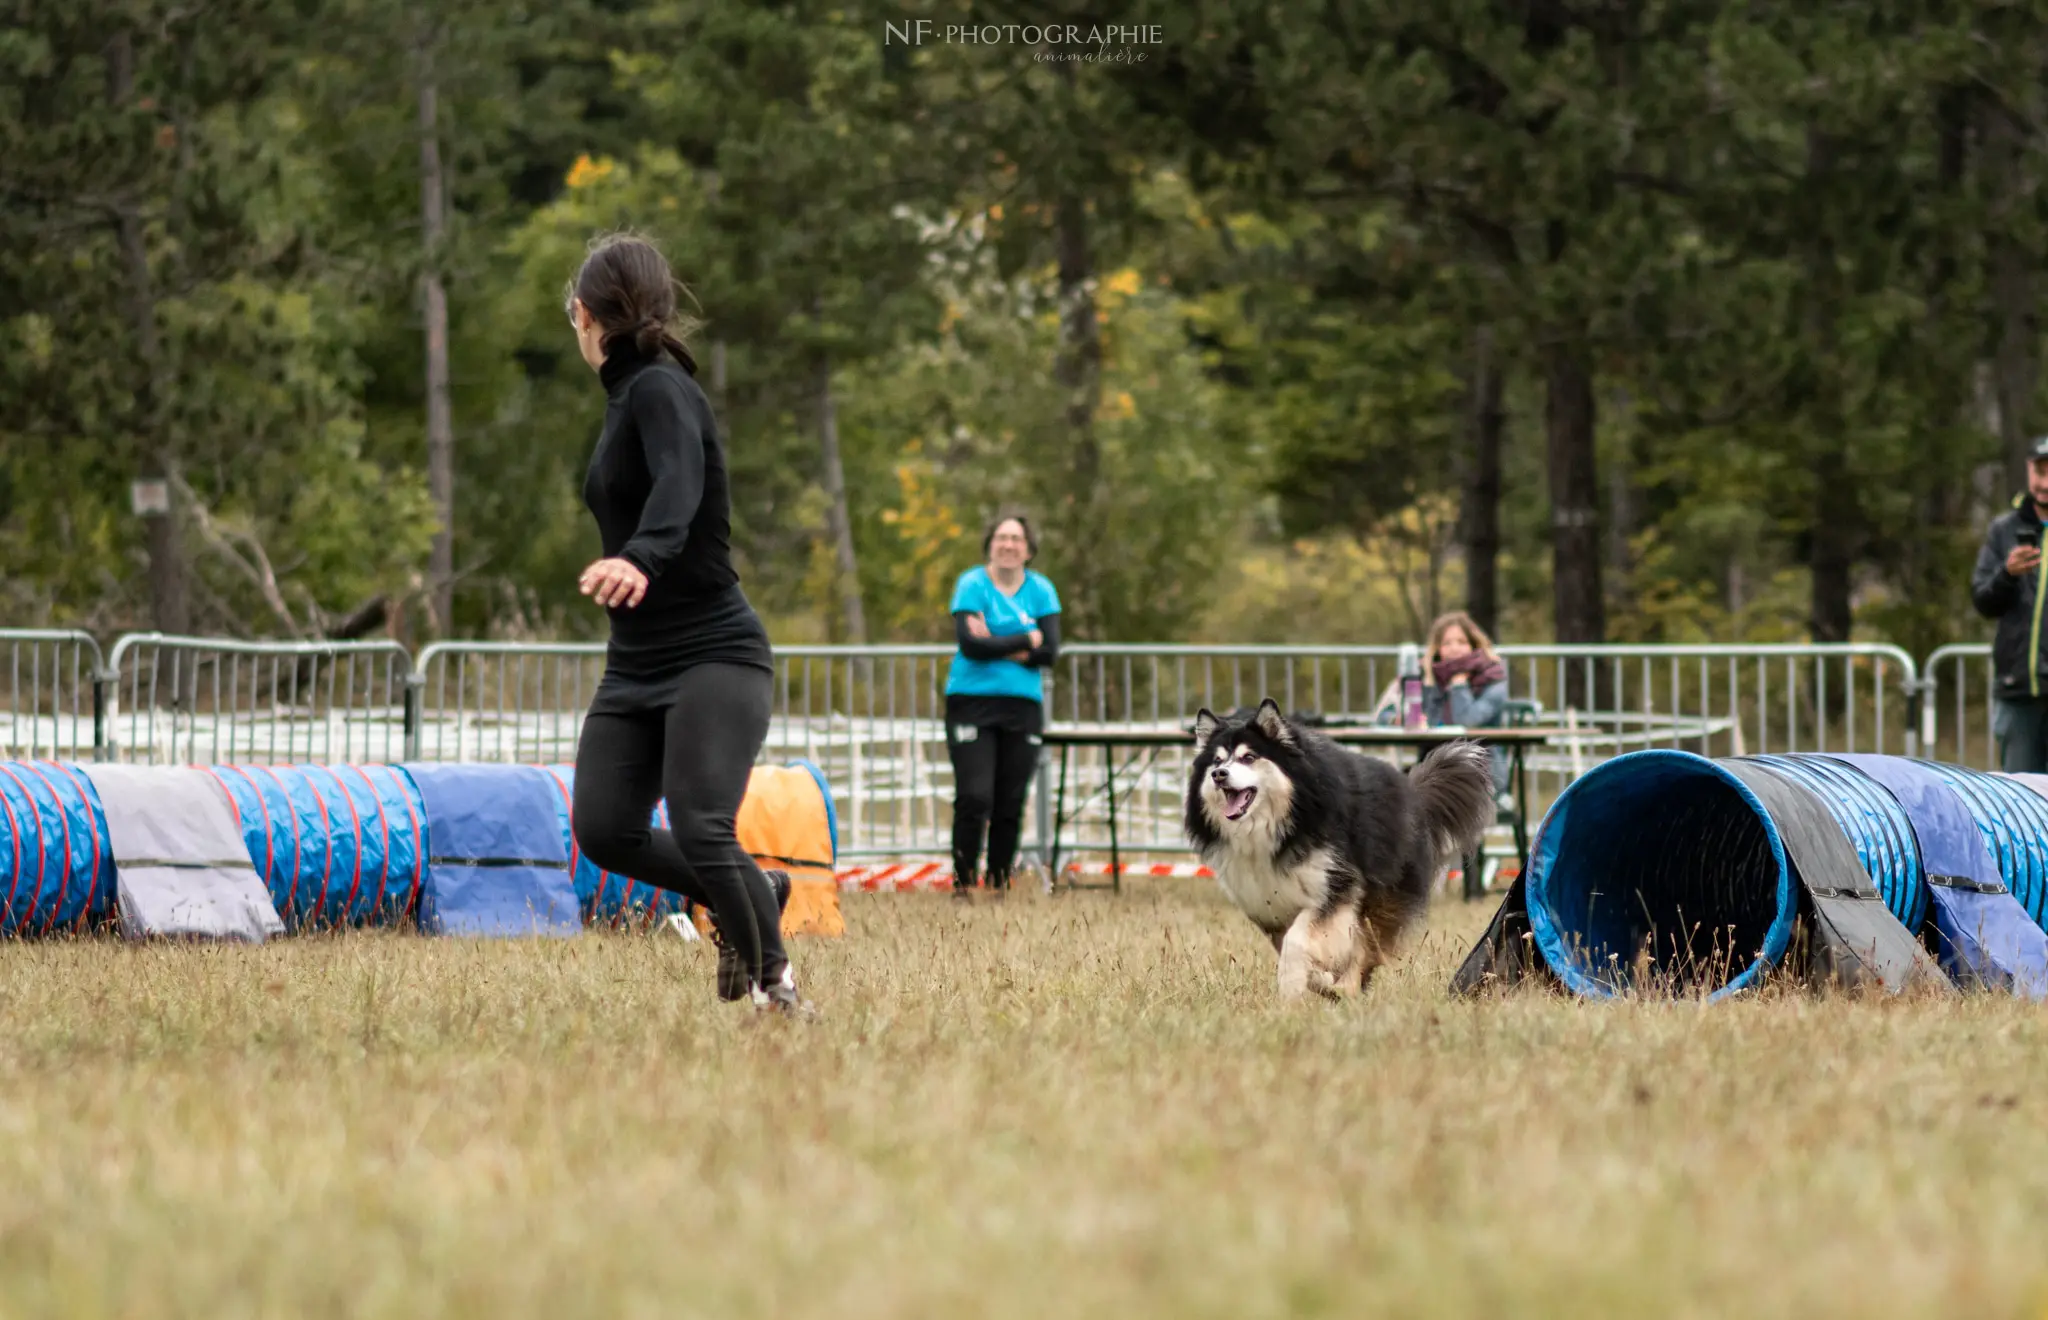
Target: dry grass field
<point x="1072" y="1107"/>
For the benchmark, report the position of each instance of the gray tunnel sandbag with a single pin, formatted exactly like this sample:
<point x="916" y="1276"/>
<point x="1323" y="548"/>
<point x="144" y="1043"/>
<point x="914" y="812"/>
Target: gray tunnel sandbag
<point x="1505" y="954"/>
<point x="341" y="845"/>
<point x="1873" y="822"/>
<point x="59" y="871"/>
<point x="1982" y="935"/>
<point x="182" y="868"/>
<point x="496" y="860"/>
<point x="1852" y="937"/>
<point x="1661" y="865"/>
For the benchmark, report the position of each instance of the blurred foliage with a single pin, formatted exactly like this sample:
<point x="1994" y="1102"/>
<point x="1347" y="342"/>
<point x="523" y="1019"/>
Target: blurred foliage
<point x="1796" y="251"/>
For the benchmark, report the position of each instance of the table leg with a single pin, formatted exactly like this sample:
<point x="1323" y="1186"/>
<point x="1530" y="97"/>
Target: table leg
<point x="1059" y="824"/>
<point x="1521" y="809"/>
<point x="1116" y="865"/>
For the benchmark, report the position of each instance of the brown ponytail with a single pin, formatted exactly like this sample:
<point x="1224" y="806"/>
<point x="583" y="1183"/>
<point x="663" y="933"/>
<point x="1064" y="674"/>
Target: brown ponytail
<point x="626" y="284"/>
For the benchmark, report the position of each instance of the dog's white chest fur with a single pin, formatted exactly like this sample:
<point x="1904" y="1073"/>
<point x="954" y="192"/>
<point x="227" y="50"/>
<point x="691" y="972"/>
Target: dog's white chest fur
<point x="1268" y="891"/>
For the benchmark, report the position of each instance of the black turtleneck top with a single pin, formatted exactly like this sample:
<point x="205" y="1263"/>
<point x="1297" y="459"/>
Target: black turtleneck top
<point x="657" y="487"/>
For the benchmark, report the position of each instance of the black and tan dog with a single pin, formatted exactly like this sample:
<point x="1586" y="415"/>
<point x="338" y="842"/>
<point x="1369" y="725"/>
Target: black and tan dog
<point x="1328" y="852"/>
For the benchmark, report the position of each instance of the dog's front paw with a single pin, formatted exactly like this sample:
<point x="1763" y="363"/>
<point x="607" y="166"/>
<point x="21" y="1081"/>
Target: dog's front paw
<point x="1298" y="982"/>
<point x="1326" y="985"/>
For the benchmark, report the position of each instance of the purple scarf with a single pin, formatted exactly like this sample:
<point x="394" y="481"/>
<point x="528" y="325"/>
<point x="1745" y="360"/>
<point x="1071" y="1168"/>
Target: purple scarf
<point x="1482" y="671"/>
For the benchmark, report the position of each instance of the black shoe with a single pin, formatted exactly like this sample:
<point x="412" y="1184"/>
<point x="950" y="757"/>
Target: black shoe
<point x="732" y="977"/>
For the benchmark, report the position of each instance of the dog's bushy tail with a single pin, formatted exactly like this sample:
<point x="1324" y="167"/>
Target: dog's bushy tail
<point x="1454" y="797"/>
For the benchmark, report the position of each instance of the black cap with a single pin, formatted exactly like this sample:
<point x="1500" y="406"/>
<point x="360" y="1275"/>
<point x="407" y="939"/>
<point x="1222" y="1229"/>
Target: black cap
<point x="2039" y="449"/>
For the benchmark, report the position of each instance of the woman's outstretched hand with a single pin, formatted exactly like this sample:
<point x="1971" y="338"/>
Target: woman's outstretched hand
<point x="614" y="582"/>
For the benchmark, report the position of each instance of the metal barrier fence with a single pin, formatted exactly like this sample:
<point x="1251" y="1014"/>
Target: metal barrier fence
<point x="1713" y="700"/>
<point x="519" y="702"/>
<point x="51" y="690"/>
<point x="201" y="699"/>
<point x="873" y="718"/>
<point x="1956" y="710"/>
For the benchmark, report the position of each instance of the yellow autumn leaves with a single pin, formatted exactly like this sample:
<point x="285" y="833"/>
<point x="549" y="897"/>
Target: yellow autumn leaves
<point x="587" y="171"/>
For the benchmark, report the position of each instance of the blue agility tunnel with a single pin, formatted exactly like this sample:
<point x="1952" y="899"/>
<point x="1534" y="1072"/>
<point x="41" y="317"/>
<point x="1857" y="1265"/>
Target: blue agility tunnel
<point x="1664" y="872"/>
<point x="337" y="845"/>
<point x="480" y="849"/>
<point x="1660" y="869"/>
<point x="53" y="843"/>
<point x="1979" y="931"/>
<point x="2014" y="822"/>
<point x="1874" y="824"/>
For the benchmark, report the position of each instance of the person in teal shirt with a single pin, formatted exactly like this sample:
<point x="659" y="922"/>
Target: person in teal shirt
<point x="1006" y="622"/>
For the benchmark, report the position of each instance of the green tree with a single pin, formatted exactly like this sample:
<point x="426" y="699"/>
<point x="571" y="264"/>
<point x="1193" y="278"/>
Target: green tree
<point x="156" y="283"/>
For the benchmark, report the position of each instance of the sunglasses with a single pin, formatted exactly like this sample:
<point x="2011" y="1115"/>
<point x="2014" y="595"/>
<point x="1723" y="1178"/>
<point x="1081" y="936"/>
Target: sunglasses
<point x="569" y="307"/>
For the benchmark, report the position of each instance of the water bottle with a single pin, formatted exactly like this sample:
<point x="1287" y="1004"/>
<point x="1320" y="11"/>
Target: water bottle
<point x="1411" y="687"/>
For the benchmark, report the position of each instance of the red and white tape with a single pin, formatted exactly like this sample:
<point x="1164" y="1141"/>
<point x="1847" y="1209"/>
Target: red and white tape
<point x="891" y="877"/>
<point x="895" y="876"/>
<point x="1183" y="870"/>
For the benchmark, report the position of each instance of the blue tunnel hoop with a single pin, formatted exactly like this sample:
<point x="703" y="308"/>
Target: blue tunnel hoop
<point x="1599" y="833"/>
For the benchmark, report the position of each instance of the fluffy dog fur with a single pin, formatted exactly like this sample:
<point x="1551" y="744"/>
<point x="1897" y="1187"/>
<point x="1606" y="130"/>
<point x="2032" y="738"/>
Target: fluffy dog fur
<point x="1330" y="853"/>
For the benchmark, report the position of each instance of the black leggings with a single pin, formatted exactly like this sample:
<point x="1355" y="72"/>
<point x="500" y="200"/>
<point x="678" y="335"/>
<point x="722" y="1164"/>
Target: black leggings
<point x="698" y="754"/>
<point x="992" y="768"/>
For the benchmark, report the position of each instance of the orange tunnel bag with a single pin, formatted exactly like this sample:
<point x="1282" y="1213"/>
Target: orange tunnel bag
<point x="787" y="821"/>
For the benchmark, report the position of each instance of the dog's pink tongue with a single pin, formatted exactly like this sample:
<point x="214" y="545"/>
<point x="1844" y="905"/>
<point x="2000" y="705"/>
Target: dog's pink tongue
<point x="1237" y="801"/>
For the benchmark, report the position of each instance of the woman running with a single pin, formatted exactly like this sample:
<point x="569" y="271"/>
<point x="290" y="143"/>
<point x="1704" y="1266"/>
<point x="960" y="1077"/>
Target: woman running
<point x="683" y="707"/>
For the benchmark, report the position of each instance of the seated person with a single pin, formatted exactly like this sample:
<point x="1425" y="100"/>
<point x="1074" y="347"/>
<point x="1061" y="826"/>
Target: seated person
<point x="1463" y="683"/>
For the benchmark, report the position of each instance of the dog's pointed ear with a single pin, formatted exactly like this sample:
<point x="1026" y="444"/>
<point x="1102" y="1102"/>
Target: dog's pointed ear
<point x="1272" y="723"/>
<point x="1206" y="725"/>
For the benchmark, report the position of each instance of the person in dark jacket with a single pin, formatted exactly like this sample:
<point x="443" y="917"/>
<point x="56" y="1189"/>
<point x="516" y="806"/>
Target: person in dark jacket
<point x="2007" y="586"/>
<point x="1006" y="622"/>
<point x="683" y="707"/>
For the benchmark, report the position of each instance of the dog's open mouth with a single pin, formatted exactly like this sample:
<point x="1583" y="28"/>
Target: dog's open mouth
<point x="1237" y="801"/>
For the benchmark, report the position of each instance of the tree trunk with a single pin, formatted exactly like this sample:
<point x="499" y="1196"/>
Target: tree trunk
<point x="838" y="515"/>
<point x="1574" y="496"/>
<point x="1576" y="592"/>
<point x="434" y="306"/>
<point x="1832" y="546"/>
<point x="1832" y="559"/>
<point x="2017" y="355"/>
<point x="1921" y="560"/>
<point x="1622" y="517"/>
<point x="1079" y="372"/>
<point x="1480" y="521"/>
<point x="170" y="607"/>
